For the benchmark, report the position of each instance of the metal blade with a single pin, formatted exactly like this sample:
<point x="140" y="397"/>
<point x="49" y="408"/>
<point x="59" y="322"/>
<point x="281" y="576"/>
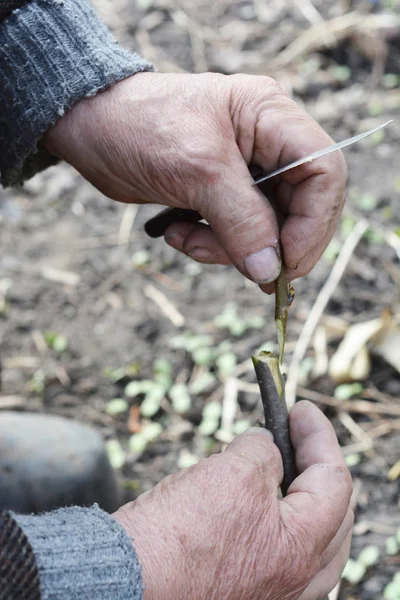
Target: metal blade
<point x="319" y="153"/>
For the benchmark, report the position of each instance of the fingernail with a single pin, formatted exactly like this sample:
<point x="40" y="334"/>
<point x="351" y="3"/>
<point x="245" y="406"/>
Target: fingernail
<point x="263" y="266"/>
<point x="200" y="254"/>
<point x="174" y="239"/>
<point x="261" y="430"/>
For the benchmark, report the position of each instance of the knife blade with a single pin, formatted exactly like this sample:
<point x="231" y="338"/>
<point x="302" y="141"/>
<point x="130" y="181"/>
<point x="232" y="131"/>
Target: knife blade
<point x="157" y="226"/>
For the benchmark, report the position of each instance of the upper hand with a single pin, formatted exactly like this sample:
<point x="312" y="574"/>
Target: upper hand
<point x="218" y="531"/>
<point x="186" y="141"/>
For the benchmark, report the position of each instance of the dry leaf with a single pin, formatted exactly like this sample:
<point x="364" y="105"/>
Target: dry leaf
<point x="351" y="360"/>
<point x="388" y="346"/>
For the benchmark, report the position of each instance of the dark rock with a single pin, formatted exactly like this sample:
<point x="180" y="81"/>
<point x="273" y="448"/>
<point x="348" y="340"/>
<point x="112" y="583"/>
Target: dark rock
<point x="47" y="462"/>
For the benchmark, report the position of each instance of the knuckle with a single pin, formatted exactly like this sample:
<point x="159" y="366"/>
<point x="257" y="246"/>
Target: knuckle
<point x="248" y="474"/>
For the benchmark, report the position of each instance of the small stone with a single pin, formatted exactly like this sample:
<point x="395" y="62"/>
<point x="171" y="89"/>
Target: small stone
<point x="48" y="462"/>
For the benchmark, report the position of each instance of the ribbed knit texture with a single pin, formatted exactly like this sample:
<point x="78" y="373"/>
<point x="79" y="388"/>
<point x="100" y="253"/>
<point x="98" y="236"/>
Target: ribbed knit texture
<point x="52" y="54"/>
<point x="82" y="554"/>
<point x="19" y="577"/>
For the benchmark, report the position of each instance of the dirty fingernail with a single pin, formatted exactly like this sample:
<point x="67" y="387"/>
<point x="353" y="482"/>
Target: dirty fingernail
<point x="174" y="239"/>
<point x="201" y="254"/>
<point x="263" y="266"/>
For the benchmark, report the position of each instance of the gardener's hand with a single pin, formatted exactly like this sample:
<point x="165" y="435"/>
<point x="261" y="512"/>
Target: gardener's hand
<point x="185" y="141"/>
<point x="217" y="531"/>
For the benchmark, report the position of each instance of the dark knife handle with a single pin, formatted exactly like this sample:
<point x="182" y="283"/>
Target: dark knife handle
<point x="157" y="226"/>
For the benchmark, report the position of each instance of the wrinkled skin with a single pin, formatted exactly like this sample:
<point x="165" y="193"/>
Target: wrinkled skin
<point x="218" y="531"/>
<point x="186" y="141"/>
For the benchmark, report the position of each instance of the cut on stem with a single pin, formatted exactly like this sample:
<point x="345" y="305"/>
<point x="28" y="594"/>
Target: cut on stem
<point x="272" y="389"/>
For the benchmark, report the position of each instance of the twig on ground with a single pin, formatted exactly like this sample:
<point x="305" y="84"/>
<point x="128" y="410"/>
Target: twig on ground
<point x="59" y="276"/>
<point x="319" y="306"/>
<point x="229" y="403"/>
<point x="352" y="427"/>
<point x="363" y="407"/>
<point x="127" y="221"/>
<point x="164" y="304"/>
<point x="12" y="402"/>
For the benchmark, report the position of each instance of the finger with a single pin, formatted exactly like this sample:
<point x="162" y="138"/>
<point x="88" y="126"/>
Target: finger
<point x="313" y="437"/>
<point x="286" y="133"/>
<point x="198" y="241"/>
<point x="243" y="220"/>
<point x="342" y="534"/>
<point x="319" y="497"/>
<point x="325" y="581"/>
<point x="255" y="449"/>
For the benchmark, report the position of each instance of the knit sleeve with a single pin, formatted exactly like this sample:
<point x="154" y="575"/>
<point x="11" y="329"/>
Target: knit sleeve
<point x="53" y="53"/>
<point x="82" y="553"/>
<point x="19" y="577"/>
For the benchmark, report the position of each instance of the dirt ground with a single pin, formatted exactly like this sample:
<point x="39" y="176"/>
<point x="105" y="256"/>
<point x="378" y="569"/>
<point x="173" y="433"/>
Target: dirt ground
<point x="88" y="303"/>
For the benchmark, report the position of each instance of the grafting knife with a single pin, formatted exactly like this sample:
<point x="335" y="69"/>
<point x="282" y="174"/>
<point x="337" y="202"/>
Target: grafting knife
<point x="157" y="226"/>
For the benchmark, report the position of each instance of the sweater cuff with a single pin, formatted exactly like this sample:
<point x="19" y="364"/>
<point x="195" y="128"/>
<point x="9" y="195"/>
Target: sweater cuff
<point x="82" y="553"/>
<point x="19" y="577"/>
<point x="53" y="53"/>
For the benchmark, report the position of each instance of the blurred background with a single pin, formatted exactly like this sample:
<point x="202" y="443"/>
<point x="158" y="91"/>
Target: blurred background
<point x="105" y="326"/>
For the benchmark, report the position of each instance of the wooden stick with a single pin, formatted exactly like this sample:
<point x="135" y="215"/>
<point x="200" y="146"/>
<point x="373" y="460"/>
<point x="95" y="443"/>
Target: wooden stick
<point x="272" y="389"/>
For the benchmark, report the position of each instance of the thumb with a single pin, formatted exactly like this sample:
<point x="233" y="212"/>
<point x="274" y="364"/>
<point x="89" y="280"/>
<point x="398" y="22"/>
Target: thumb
<point x="255" y="449"/>
<point x="244" y="222"/>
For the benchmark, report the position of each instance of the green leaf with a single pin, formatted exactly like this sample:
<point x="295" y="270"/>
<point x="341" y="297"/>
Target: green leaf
<point x="375" y="108"/>
<point x="163" y="372"/>
<point x="332" y="250"/>
<point x="211" y="416"/>
<point x="116" y="406"/>
<point x="346" y="225"/>
<point x="190" y="341"/>
<point x="187" y="459"/>
<point x="240" y="426"/>
<point x="57" y="341"/>
<point x="367" y="201"/>
<point x="208" y="426"/>
<point x="212" y="410"/>
<point x="369" y="556"/>
<point x="255" y="322"/>
<point x="151" y="430"/>
<point x="135" y="388"/>
<point x="137" y="443"/>
<point x="392" y="546"/>
<point x="341" y="73"/>
<point x="141" y="258"/>
<point x="352" y="460"/>
<point x="152" y="402"/>
<point x="181" y="401"/>
<point x="116" y="374"/>
<point x="203" y="382"/>
<point x="353" y="571"/>
<point x="115" y="453"/>
<point x="203" y="356"/>
<point x="348" y="390"/>
<point x="392" y="589"/>
<point x="390" y="80"/>
<point x="226" y="363"/>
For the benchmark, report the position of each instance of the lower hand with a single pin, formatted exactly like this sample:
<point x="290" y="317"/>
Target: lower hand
<point x="186" y="140"/>
<point x="218" y="531"/>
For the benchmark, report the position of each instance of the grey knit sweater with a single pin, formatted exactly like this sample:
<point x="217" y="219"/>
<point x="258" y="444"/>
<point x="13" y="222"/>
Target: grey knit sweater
<point x="52" y="54"/>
